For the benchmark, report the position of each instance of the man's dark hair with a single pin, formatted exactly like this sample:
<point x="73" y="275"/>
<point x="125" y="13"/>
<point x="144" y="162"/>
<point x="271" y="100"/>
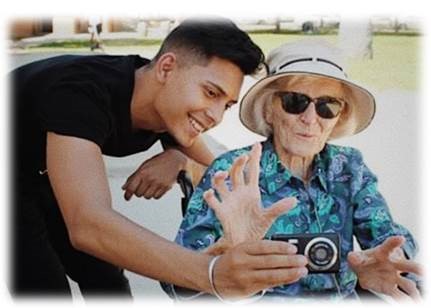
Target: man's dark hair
<point x="201" y="40"/>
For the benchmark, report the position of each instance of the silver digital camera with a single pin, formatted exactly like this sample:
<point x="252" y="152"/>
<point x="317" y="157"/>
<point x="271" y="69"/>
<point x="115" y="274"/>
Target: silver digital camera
<point x="321" y="249"/>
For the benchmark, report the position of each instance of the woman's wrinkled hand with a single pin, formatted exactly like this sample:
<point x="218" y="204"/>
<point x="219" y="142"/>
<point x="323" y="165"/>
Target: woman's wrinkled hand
<point x="240" y="211"/>
<point x="379" y="269"/>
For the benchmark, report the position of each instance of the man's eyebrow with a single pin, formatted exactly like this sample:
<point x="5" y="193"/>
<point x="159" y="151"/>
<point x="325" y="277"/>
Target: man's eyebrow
<point x="220" y="89"/>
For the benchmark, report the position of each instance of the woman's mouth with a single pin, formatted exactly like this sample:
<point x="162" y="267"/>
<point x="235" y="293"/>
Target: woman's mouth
<point x="305" y="135"/>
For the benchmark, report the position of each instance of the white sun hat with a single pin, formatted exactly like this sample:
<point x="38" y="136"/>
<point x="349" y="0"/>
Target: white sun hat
<point x="308" y="58"/>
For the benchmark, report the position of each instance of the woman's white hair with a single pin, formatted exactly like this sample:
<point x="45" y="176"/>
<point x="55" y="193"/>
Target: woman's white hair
<point x="266" y="96"/>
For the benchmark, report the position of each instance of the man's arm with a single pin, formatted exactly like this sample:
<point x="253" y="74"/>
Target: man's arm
<point x="198" y="158"/>
<point x="77" y="175"/>
<point x="199" y="152"/>
<point x="158" y="174"/>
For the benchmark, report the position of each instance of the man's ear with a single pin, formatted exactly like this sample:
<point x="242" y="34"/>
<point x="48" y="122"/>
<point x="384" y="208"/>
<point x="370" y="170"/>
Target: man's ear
<point x="165" y="65"/>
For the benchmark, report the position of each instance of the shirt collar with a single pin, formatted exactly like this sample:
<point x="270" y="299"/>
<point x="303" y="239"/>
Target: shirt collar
<point x="274" y="175"/>
<point x="319" y="167"/>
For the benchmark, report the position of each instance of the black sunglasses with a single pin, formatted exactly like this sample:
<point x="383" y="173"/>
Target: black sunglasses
<point x="327" y="107"/>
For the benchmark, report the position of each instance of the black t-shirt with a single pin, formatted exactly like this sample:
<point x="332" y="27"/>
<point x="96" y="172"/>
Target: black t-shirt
<point x="83" y="96"/>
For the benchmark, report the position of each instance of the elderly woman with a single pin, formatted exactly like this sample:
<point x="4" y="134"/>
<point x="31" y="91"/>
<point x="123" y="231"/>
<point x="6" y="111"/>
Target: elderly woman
<point x="305" y="101"/>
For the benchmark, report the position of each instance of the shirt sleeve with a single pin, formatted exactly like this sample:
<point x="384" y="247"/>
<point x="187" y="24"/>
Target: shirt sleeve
<point x="372" y="221"/>
<point x="167" y="140"/>
<point x="77" y="108"/>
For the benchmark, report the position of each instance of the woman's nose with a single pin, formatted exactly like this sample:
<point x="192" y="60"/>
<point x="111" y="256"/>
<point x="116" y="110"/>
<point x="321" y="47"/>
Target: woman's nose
<point x="309" y="116"/>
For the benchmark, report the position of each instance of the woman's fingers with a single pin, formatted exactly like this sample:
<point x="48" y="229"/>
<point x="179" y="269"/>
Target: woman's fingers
<point x="408" y="266"/>
<point x="390" y="244"/>
<point x="254" y="164"/>
<point x="211" y="200"/>
<point x="361" y="261"/>
<point x="409" y="287"/>
<point x="252" y="160"/>
<point x="355" y="258"/>
<point x="237" y="171"/>
<point x="280" y="207"/>
<point x="219" y="183"/>
<point x="398" y="295"/>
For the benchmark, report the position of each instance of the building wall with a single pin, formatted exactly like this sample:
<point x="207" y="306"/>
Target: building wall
<point x="20" y="28"/>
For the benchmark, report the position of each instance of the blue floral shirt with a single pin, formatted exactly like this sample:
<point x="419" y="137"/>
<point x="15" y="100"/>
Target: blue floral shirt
<point x="340" y="197"/>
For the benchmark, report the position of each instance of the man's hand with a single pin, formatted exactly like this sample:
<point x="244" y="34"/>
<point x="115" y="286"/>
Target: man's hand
<point x="155" y="176"/>
<point x="240" y="211"/>
<point x="379" y="269"/>
<point x="253" y="266"/>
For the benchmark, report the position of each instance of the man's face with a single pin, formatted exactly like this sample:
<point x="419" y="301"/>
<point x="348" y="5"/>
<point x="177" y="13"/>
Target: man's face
<point x="195" y="97"/>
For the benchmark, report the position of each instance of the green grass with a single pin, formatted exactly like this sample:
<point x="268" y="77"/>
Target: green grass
<point x="396" y="62"/>
<point x="86" y="43"/>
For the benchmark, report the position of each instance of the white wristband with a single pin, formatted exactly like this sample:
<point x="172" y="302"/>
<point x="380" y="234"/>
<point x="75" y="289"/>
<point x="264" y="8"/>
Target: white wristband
<point x="211" y="279"/>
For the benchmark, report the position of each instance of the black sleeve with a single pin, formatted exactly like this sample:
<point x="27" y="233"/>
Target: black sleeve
<point x="167" y="140"/>
<point x="79" y="109"/>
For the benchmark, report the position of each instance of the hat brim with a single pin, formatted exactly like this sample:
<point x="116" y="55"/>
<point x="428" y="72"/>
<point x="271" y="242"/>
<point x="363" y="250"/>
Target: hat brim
<point x="361" y="104"/>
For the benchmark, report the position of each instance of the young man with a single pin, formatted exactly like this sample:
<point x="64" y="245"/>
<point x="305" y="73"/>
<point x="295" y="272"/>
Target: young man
<point x="70" y="110"/>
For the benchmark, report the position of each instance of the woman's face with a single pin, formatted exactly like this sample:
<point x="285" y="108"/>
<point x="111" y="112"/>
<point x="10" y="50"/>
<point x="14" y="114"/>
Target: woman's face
<point x="303" y="134"/>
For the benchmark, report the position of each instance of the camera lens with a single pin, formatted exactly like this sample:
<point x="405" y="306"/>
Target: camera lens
<point x="321" y="253"/>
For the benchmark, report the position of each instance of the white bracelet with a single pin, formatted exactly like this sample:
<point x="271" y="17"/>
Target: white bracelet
<point x="211" y="276"/>
<point x="211" y="279"/>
